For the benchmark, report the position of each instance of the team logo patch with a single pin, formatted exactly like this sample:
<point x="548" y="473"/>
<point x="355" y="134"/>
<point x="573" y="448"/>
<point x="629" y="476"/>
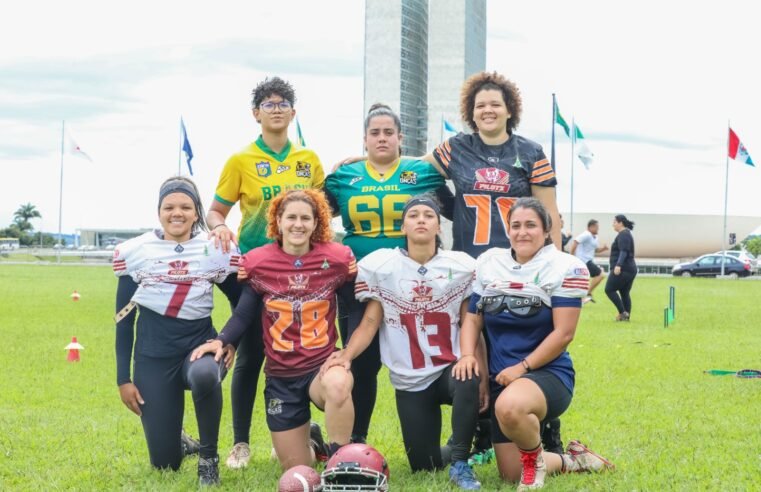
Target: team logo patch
<point x="517" y="163"/>
<point x="282" y="168"/>
<point x="408" y="177"/>
<point x="298" y="282"/>
<point x="492" y="160"/>
<point x="303" y="169"/>
<point x="492" y="179"/>
<point x="421" y="292"/>
<point x="325" y="264"/>
<point x="263" y="169"/>
<point x="354" y="180"/>
<point x="275" y="406"/>
<point x="178" y="267"/>
<point x="580" y="271"/>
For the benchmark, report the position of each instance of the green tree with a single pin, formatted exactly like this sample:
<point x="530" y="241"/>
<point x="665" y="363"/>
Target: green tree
<point x="753" y="245"/>
<point x="22" y="215"/>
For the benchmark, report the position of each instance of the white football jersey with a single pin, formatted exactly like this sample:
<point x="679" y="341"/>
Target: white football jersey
<point x="549" y="273"/>
<point x="174" y="279"/>
<point x="420" y="332"/>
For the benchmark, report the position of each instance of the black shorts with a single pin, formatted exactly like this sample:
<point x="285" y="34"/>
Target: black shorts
<point x="557" y="395"/>
<point x="287" y="401"/>
<point x="594" y="270"/>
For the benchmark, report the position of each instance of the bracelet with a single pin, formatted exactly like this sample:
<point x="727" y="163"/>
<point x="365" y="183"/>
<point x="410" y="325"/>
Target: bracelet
<point x="525" y="365"/>
<point x="218" y="225"/>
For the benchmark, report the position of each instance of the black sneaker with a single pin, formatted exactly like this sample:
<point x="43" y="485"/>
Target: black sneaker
<point x="189" y="445"/>
<point x="208" y="470"/>
<point x="317" y="442"/>
<point x="551" y="436"/>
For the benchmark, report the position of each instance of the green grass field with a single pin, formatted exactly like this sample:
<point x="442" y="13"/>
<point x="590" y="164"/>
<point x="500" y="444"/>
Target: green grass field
<point x="641" y="398"/>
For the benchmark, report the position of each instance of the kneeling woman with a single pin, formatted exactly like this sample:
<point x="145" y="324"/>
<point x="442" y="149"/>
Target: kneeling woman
<point x="169" y="274"/>
<point x="296" y="278"/>
<point x="415" y="297"/>
<point x="529" y="299"/>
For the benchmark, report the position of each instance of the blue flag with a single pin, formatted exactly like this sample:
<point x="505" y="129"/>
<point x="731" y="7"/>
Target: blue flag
<point x="448" y="127"/>
<point x="186" y="146"/>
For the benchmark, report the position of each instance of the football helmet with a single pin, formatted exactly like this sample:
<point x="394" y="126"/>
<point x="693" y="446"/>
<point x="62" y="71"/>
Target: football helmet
<point x="355" y="467"/>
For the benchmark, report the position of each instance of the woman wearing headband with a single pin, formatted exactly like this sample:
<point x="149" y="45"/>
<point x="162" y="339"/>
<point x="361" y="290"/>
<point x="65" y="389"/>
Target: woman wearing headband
<point x="370" y="195"/>
<point x="414" y="296"/>
<point x="295" y="278"/>
<point x="169" y="274"/>
<point x="528" y="298"/>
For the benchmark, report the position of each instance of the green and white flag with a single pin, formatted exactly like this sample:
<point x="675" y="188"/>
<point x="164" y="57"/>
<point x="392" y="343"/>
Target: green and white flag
<point x="582" y="150"/>
<point x="561" y="121"/>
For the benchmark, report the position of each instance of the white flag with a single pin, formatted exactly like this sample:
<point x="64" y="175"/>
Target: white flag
<point x="72" y="148"/>
<point x="585" y="155"/>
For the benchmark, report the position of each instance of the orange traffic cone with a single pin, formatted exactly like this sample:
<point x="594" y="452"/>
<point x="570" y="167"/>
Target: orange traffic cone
<point x="74" y="347"/>
<point x="75" y="296"/>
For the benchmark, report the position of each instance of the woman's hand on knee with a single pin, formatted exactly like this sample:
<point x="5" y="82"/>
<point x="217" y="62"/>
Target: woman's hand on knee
<point x="339" y="358"/>
<point x="483" y="395"/>
<point x="131" y="398"/>
<point x="465" y="368"/>
<point x="229" y="354"/>
<point x="211" y="346"/>
<point x="510" y="374"/>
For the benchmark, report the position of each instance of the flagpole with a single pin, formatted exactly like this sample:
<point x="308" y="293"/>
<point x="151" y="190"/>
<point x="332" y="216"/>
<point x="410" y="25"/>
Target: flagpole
<point x="60" y="196"/>
<point x="179" y="153"/>
<point x="726" y="199"/>
<point x="573" y="141"/>
<point x="552" y="144"/>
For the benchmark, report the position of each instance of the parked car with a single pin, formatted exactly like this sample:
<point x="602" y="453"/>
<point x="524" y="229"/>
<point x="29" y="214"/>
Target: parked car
<point x="710" y="266"/>
<point x="744" y="256"/>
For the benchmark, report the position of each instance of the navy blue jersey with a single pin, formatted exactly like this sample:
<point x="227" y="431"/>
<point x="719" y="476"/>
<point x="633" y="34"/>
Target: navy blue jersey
<point x="488" y="180"/>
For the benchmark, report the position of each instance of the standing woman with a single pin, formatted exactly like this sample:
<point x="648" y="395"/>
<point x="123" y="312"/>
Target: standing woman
<point x="169" y="275"/>
<point x="370" y="196"/>
<point x="254" y="177"/>
<point x="295" y="278"/>
<point x="528" y="298"/>
<point x="623" y="268"/>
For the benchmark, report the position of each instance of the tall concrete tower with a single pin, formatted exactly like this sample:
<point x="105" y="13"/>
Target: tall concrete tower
<point x="417" y="54"/>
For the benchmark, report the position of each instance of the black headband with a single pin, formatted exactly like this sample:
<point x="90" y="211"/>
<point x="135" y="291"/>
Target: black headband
<point x="177" y="186"/>
<point x="422" y="201"/>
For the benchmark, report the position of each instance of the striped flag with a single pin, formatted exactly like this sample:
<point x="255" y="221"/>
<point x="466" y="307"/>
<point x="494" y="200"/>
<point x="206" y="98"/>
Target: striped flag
<point x="301" y="135"/>
<point x="737" y="150"/>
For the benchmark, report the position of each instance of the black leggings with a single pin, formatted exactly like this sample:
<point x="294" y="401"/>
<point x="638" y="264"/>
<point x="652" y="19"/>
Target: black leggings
<point x="248" y="365"/>
<point x="420" y="417"/>
<point x="364" y="368"/>
<point x="162" y="384"/>
<point x="620" y="284"/>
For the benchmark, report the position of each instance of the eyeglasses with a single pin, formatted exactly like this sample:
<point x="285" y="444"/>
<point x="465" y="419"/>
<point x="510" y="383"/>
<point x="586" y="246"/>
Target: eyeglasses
<point x="519" y="306"/>
<point x="269" y="106"/>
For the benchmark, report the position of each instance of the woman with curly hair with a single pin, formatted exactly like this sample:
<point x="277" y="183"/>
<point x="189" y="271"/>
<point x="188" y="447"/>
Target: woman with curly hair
<point x="295" y="279"/>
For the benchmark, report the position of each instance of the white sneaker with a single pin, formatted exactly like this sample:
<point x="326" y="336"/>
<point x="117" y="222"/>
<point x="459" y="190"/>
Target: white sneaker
<point x="579" y="458"/>
<point x="239" y="456"/>
<point x="534" y="470"/>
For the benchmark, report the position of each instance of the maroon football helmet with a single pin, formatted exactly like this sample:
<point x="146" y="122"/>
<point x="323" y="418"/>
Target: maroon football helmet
<point x="355" y="467"/>
<point x="299" y="478"/>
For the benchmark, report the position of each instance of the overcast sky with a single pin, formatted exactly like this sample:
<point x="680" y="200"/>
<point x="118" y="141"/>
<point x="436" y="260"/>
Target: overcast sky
<point x="651" y="84"/>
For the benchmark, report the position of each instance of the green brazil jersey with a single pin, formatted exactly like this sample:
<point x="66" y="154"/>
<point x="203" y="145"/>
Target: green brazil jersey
<point x="371" y="205"/>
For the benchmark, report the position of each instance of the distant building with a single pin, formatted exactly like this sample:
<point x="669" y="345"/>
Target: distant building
<point x="417" y="54"/>
<point x="100" y="238"/>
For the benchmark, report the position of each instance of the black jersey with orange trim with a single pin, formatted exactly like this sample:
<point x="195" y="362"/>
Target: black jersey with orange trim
<point x="488" y="180"/>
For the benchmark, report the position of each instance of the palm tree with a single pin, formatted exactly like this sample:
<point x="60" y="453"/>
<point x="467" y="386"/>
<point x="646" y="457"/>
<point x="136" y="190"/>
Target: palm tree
<point x="23" y="214"/>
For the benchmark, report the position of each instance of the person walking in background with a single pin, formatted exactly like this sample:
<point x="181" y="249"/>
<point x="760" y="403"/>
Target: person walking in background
<point x="623" y="268"/>
<point x="565" y="237"/>
<point x="584" y="247"/>
<point x="254" y="177"/>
